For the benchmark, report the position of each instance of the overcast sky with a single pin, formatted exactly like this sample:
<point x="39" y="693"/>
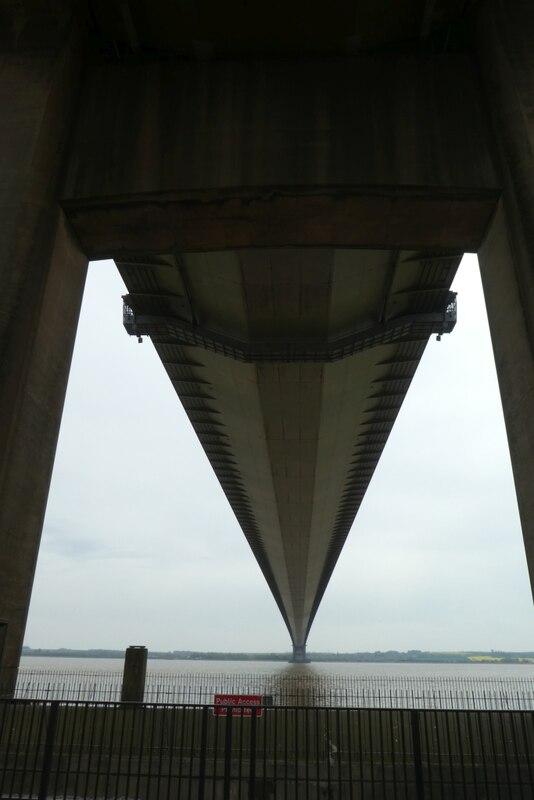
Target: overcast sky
<point x="140" y="545"/>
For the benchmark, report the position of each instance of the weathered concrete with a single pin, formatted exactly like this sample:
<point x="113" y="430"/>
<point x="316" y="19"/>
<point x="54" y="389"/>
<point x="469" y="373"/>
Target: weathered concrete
<point x="385" y="152"/>
<point x="41" y="283"/>
<point x="505" y="32"/>
<point x="134" y="674"/>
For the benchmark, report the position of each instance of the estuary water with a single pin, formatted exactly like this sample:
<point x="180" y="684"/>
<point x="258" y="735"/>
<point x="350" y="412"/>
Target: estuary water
<point x="322" y="684"/>
<point x="349" y="669"/>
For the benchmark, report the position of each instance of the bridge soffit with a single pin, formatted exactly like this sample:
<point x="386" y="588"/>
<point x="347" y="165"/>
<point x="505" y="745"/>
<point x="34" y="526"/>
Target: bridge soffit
<point x="368" y="152"/>
<point x="297" y="301"/>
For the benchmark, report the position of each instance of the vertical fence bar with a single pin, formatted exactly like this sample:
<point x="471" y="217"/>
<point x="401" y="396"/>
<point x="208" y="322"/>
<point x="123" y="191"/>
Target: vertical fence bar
<point x="403" y="721"/>
<point x="203" y="753"/>
<point x="348" y="721"/>
<point x="359" y="713"/>
<point x="461" y="749"/>
<point x="84" y="710"/>
<point x="418" y="764"/>
<point x="102" y="717"/>
<point x="252" y="756"/>
<point x="472" y="753"/>
<point x="483" y="719"/>
<point x="152" y="745"/>
<point x="517" y="756"/>
<point x="426" y="747"/>
<point x="48" y="750"/>
<point x="67" y="743"/>
<point x="172" y="714"/>
<point x="391" y="718"/>
<point x="328" y="753"/>
<point x="91" y="753"/>
<point x="295" y="715"/>
<point x="131" y="713"/>
<point x="122" y="717"/>
<point x="267" y="749"/>
<point x="437" y="717"/>
<point x="382" y="754"/>
<point x="526" y="744"/>
<point x="33" y="724"/>
<point x="317" y="739"/>
<point x="192" y="714"/>
<point x="447" y="721"/>
<point x="306" y="757"/>
<point x="505" y="748"/>
<point x="227" y="778"/>
<point x="286" y="755"/>
<point x="339" y="752"/>
<point x="143" y="711"/>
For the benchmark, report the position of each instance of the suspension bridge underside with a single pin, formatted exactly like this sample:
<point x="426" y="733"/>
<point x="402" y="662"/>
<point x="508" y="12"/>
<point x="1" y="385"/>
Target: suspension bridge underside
<point x="292" y="365"/>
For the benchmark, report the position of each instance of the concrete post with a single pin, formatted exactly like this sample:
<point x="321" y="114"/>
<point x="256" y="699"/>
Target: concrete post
<point x="504" y="36"/>
<point x="42" y="274"/>
<point x="133" y="678"/>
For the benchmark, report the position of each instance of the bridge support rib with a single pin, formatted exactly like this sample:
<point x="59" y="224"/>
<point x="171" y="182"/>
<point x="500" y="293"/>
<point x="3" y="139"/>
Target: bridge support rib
<point x="505" y="32"/>
<point x="41" y="284"/>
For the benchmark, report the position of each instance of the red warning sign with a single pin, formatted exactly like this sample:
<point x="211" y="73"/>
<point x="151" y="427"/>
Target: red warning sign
<point x="241" y="704"/>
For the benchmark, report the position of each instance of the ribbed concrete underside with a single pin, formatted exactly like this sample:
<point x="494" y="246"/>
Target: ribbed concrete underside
<point x="293" y="434"/>
<point x="231" y="27"/>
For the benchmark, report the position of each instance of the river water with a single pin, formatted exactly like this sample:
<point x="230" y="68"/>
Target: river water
<point x="319" y="683"/>
<point x="191" y="667"/>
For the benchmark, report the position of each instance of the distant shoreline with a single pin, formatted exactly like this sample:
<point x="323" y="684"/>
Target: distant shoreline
<point x="378" y="657"/>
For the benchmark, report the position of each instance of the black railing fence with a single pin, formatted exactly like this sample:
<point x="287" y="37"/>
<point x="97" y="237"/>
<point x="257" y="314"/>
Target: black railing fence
<point x="285" y="688"/>
<point x="150" y="752"/>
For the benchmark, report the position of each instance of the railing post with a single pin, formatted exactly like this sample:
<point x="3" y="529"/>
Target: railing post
<point x="228" y="754"/>
<point x="203" y="753"/>
<point x="252" y="758"/>
<point x="48" y="749"/>
<point x="133" y="678"/>
<point x="418" y="764"/>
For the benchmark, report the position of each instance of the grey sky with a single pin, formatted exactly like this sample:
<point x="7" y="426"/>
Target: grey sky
<point x="141" y="547"/>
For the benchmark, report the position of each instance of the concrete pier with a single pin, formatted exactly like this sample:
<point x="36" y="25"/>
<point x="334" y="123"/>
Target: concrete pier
<point x="134" y="674"/>
<point x="299" y="654"/>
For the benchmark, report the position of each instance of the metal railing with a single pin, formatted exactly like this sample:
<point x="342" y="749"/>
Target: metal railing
<point x="151" y="752"/>
<point x="373" y="691"/>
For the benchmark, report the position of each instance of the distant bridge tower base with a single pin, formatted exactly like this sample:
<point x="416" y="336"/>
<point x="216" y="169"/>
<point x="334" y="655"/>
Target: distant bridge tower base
<point x="299" y="654"/>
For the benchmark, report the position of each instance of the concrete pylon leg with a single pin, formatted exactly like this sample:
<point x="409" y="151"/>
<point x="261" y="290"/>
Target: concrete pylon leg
<point x="514" y="360"/>
<point x="299" y="654"/>
<point x="42" y="274"/>
<point x="505" y="32"/>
